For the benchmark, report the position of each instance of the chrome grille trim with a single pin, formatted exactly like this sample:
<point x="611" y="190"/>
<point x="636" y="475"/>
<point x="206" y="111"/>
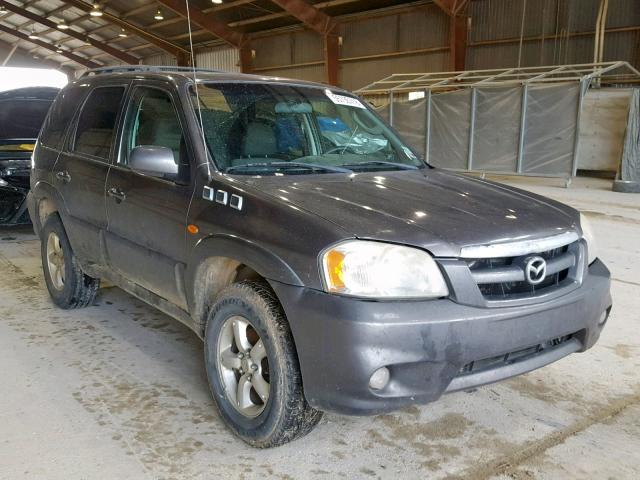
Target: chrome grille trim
<point x="515" y="273"/>
<point x="519" y="248"/>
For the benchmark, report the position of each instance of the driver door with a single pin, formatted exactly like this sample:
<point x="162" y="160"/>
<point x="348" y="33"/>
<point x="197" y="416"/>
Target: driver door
<point x="147" y="213"/>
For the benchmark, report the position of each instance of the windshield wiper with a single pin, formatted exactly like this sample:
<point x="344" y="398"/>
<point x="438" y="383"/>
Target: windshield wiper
<point x="288" y="165"/>
<point x="401" y="166"/>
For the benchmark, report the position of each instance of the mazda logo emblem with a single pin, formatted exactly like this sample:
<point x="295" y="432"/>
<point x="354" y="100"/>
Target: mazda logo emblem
<point x="535" y="270"/>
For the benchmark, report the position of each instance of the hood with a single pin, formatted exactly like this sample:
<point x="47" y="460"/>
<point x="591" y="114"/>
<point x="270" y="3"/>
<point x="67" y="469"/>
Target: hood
<point x="22" y="111"/>
<point x="432" y="209"/>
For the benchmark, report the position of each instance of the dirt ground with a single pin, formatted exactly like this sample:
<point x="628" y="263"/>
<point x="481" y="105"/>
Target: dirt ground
<point x="118" y="390"/>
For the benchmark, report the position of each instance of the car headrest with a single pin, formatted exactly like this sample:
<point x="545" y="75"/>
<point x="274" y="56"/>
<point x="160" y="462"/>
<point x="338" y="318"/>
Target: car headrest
<point x="259" y="140"/>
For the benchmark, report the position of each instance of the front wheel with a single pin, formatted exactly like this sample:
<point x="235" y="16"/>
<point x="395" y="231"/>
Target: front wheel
<point x="253" y="367"/>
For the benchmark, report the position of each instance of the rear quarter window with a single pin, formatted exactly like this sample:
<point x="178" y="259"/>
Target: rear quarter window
<point x="60" y="116"/>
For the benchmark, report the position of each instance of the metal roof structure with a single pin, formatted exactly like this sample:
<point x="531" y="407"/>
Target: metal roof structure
<point x="607" y="72"/>
<point x="72" y="34"/>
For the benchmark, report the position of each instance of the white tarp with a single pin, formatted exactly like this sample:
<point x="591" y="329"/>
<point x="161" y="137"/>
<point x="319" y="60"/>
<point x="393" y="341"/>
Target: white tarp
<point x="549" y="128"/>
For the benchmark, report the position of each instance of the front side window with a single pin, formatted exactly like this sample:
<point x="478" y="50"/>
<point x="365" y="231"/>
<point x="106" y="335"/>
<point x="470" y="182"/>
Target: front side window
<point x="152" y="121"/>
<point x="97" y="122"/>
<point x="268" y="129"/>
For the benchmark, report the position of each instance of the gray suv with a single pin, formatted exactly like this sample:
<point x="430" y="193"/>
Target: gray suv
<point x="324" y="264"/>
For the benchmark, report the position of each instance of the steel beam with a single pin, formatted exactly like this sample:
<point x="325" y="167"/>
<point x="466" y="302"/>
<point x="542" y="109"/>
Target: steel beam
<point x="180" y="53"/>
<point x="321" y="23"/>
<point x="458" y="31"/>
<point x="71" y="56"/>
<point x="114" y="52"/>
<point x="10" y="54"/>
<point x="217" y="28"/>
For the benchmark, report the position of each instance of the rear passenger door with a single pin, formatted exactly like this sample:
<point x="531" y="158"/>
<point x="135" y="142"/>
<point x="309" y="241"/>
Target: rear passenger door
<point x="81" y="170"/>
<point x="147" y="215"/>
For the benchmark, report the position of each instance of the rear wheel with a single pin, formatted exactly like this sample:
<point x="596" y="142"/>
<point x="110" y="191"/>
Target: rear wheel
<point x="253" y="367"/>
<point x="69" y="287"/>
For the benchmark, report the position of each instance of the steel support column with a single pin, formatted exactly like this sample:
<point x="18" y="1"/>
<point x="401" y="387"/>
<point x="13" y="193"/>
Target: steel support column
<point x="323" y="24"/>
<point x="331" y="58"/>
<point x="523" y="123"/>
<point x="472" y="129"/>
<point x="458" y="31"/>
<point x="458" y="42"/>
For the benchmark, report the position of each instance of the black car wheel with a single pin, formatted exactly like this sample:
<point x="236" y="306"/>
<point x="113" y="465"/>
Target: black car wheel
<point x="68" y="285"/>
<point x="253" y="367"/>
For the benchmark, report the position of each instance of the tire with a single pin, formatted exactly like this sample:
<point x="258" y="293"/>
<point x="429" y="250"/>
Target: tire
<point x="285" y="415"/>
<point x="68" y="285"/>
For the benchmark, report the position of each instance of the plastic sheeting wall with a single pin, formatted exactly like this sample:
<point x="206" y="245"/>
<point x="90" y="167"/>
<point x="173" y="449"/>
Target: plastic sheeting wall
<point x="481" y="128"/>
<point x="550" y="129"/>
<point x="630" y="166"/>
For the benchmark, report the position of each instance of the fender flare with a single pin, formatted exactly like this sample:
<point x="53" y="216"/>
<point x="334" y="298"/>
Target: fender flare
<point x="245" y="252"/>
<point x="42" y="190"/>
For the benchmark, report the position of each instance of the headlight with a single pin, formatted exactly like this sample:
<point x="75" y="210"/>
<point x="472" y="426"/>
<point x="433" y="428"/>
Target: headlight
<point x="589" y="237"/>
<point x="372" y="269"/>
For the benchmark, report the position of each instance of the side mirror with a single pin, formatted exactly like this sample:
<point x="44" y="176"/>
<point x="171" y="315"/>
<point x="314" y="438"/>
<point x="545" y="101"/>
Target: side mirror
<point x="152" y="160"/>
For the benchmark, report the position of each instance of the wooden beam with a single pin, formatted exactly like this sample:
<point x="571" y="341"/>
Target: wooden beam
<point x="323" y="24"/>
<point x="181" y="54"/>
<point x="71" y="56"/>
<point x="114" y="52"/>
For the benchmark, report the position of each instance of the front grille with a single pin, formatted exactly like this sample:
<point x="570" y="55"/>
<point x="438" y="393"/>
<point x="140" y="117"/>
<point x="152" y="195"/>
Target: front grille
<point x="498" y="361"/>
<point x="504" y="278"/>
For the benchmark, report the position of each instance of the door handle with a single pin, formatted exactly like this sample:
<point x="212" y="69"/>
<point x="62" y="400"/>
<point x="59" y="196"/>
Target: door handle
<point x="116" y="193"/>
<point x="63" y="176"/>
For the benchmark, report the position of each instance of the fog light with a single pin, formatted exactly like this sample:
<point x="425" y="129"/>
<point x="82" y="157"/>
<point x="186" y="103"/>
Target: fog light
<point x="379" y="379"/>
<point x="603" y="318"/>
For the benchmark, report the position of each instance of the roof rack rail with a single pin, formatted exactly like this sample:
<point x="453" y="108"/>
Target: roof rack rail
<point x="145" y="68"/>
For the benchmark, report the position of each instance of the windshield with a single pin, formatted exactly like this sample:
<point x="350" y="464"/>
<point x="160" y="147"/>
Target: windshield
<point x="269" y="129"/>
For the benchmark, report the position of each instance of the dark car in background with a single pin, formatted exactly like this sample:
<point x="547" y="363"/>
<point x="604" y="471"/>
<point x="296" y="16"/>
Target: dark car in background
<point x="22" y="112"/>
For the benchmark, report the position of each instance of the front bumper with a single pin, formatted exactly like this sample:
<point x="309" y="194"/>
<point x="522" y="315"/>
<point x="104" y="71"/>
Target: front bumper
<point x="13" y="205"/>
<point x="426" y="345"/>
<point x="14" y="186"/>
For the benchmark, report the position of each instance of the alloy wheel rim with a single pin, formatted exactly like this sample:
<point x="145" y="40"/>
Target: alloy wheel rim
<point x="243" y="366"/>
<point x="55" y="261"/>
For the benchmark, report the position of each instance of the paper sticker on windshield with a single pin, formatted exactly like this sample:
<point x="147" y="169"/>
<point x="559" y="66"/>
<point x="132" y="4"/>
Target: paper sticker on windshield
<point x="343" y="100"/>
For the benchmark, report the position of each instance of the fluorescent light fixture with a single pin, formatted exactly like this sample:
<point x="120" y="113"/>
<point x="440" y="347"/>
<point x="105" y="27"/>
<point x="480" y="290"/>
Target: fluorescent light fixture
<point x="63" y="25"/>
<point x="217" y="2"/>
<point x="33" y="35"/>
<point x="3" y="9"/>
<point x="96" y="11"/>
<point x="158" y="16"/>
<point x="58" y="49"/>
<point x="123" y="33"/>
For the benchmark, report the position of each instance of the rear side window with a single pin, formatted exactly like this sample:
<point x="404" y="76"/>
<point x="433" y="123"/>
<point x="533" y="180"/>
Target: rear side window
<point x="60" y="116"/>
<point x="97" y="122"/>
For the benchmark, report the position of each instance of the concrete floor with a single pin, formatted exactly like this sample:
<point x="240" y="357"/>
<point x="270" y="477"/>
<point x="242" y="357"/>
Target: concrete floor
<point x="118" y="390"/>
